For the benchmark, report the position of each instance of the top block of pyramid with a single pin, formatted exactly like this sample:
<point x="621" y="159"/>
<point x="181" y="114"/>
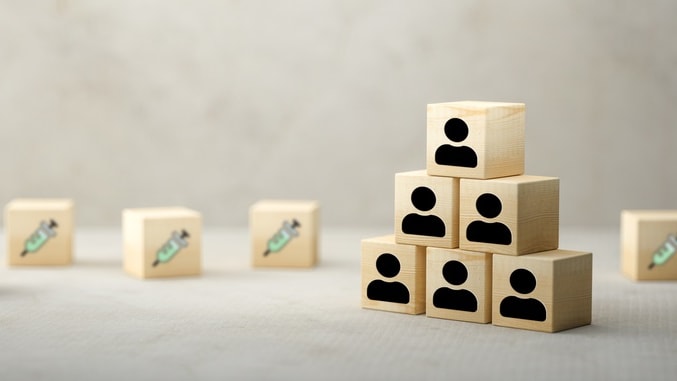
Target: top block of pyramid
<point x="479" y="140"/>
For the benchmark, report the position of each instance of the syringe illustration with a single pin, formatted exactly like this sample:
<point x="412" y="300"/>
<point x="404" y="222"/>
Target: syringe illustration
<point x="280" y="239"/>
<point x="664" y="252"/>
<point x="43" y="233"/>
<point x="173" y="245"/>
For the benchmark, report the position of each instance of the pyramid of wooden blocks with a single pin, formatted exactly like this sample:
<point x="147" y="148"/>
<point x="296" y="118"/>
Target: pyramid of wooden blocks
<point x="393" y="276"/>
<point x="162" y="242"/>
<point x="458" y="285"/>
<point x="548" y="291"/>
<point x="649" y="244"/>
<point x="479" y="140"/>
<point x="426" y="209"/>
<point x="39" y="231"/>
<point x="510" y="215"/>
<point x="284" y="233"/>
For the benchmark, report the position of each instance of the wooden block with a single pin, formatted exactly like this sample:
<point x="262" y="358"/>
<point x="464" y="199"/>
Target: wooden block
<point x="39" y="231"/>
<point x="284" y="233"/>
<point x="393" y="276"/>
<point x="479" y="140"/>
<point x="458" y="285"/>
<point x="549" y="291"/>
<point x="649" y="244"/>
<point x="162" y="242"/>
<point x="511" y="215"/>
<point x="426" y="209"/>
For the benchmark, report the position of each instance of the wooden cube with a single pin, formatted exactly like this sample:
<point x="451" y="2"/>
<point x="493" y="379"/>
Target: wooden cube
<point x="548" y="291"/>
<point x="479" y="140"/>
<point x="39" y="231"/>
<point x="649" y="244"/>
<point x="426" y="209"/>
<point x="284" y="233"/>
<point x="162" y="242"/>
<point x="510" y="215"/>
<point x="393" y="276"/>
<point x="458" y="285"/>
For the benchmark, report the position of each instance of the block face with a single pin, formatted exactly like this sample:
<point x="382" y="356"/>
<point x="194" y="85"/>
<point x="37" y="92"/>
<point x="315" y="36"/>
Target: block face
<point x="512" y="215"/>
<point x="426" y="209"/>
<point x="649" y="244"/>
<point x="39" y="231"/>
<point x="548" y="291"/>
<point x="479" y="140"/>
<point x="162" y="242"/>
<point x="393" y="276"/>
<point x="284" y="233"/>
<point x="458" y="285"/>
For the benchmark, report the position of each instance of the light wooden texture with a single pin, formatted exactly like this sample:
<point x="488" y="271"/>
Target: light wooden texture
<point x="563" y="287"/>
<point x="478" y="266"/>
<point x="412" y="273"/>
<point x="146" y="230"/>
<point x="495" y="134"/>
<point x="529" y="209"/>
<point x="24" y="216"/>
<point x="267" y="218"/>
<point x="649" y="244"/>
<point x="446" y="191"/>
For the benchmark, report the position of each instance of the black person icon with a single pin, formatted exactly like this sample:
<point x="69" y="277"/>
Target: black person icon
<point x="455" y="273"/>
<point x="524" y="282"/>
<point x="423" y="199"/>
<point x="488" y="206"/>
<point x="394" y="292"/>
<point x="457" y="131"/>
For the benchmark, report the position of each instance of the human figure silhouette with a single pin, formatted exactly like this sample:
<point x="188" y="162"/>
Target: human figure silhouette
<point x="488" y="206"/>
<point x="395" y="292"/>
<point x="524" y="282"/>
<point x="455" y="273"/>
<point x="456" y="130"/>
<point x="423" y="199"/>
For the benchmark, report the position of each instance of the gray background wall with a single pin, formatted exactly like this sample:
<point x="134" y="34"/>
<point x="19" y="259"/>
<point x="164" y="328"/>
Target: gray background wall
<point x="216" y="104"/>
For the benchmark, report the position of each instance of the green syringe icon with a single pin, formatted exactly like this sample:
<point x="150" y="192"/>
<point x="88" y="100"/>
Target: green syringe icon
<point x="280" y="239"/>
<point x="43" y="233"/>
<point x="664" y="252"/>
<point x="173" y="245"/>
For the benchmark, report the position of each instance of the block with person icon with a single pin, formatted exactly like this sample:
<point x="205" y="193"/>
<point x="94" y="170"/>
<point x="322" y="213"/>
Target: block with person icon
<point x="472" y="139"/>
<point x="510" y="215"/>
<point x="426" y="209"/>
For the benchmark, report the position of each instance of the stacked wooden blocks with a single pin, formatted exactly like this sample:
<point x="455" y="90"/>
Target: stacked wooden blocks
<point x="476" y="239"/>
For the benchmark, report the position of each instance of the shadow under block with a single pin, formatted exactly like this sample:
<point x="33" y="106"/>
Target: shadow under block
<point x="510" y="215"/>
<point x="458" y="285"/>
<point x="284" y="233"/>
<point x="649" y="244"/>
<point x="393" y="276"/>
<point x="479" y="140"/>
<point x="39" y="231"/>
<point x="426" y="209"/>
<point x="549" y="291"/>
<point x="162" y="242"/>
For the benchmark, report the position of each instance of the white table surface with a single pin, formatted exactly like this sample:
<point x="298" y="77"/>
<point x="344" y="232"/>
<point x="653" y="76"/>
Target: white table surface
<point x="91" y="321"/>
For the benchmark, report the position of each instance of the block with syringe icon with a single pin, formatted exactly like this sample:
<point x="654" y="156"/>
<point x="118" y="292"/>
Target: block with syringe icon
<point x="39" y="231"/>
<point x="162" y="242"/>
<point x="284" y="233"/>
<point x="649" y="244"/>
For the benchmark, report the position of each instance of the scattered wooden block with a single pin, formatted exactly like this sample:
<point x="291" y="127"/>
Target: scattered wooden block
<point x="426" y="209"/>
<point x="510" y="215"/>
<point x="458" y="285"/>
<point x="39" y="231"/>
<point x="162" y="242"/>
<point x="649" y="244"/>
<point x="548" y="291"/>
<point x="478" y="140"/>
<point x="393" y="276"/>
<point x="284" y="233"/>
